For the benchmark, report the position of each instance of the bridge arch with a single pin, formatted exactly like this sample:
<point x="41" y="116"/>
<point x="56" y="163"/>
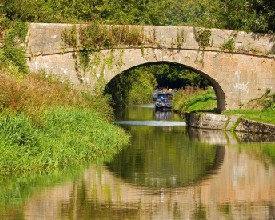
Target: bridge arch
<point x="238" y="74"/>
<point x="217" y="88"/>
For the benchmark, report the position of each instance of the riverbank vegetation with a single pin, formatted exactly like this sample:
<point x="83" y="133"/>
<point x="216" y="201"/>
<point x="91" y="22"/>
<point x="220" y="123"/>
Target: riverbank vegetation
<point x="265" y="115"/>
<point x="261" y="109"/>
<point x="131" y="87"/>
<point x="45" y="124"/>
<point x="194" y="99"/>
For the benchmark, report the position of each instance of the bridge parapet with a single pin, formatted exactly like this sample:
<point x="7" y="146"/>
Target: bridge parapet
<point x="46" y="39"/>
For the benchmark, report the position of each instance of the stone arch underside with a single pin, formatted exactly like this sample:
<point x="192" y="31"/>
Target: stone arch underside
<point x="218" y="90"/>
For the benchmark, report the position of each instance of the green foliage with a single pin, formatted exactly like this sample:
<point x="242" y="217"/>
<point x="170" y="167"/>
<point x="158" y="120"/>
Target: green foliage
<point x="37" y="134"/>
<point x="95" y="36"/>
<point x="69" y="36"/>
<point x="175" y="76"/>
<point x="13" y="51"/>
<point x="228" y="45"/>
<point x="266" y="116"/>
<point x="136" y="86"/>
<point x="66" y="136"/>
<point x="203" y="37"/>
<point x="202" y="100"/>
<point x="264" y="16"/>
<point x="17" y="131"/>
<point x="257" y="15"/>
<point x="132" y="87"/>
<point x="142" y="87"/>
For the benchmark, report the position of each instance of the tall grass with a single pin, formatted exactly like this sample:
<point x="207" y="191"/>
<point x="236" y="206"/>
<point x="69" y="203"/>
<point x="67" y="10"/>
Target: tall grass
<point x="36" y="92"/>
<point x="46" y="124"/>
<point x="65" y="137"/>
<point x="201" y="100"/>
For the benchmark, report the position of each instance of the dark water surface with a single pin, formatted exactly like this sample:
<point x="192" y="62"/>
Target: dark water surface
<point x="167" y="172"/>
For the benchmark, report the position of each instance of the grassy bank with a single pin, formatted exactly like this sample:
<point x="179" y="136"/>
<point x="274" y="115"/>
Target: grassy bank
<point x="205" y="100"/>
<point x="266" y="116"/>
<point x="46" y="124"/>
<point x="65" y="136"/>
<point x="199" y="100"/>
<point x="261" y="109"/>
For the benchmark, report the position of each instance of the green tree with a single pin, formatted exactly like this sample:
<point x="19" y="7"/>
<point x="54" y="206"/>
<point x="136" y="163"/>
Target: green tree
<point x="249" y="15"/>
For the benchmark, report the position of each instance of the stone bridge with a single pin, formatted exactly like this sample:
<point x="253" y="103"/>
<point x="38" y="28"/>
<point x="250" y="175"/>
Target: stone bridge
<point x="240" y="66"/>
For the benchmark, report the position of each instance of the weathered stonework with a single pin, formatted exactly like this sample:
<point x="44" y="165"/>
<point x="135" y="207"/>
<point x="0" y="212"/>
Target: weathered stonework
<point x="231" y="123"/>
<point x="237" y="77"/>
<point x="250" y="126"/>
<point x="211" y="121"/>
<point x="222" y="137"/>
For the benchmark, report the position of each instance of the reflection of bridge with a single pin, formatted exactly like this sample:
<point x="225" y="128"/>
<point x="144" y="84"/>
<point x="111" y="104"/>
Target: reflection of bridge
<point x="237" y="77"/>
<point x="243" y="188"/>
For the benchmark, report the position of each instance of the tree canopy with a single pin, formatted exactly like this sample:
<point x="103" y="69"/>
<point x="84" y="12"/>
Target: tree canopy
<point x="248" y="15"/>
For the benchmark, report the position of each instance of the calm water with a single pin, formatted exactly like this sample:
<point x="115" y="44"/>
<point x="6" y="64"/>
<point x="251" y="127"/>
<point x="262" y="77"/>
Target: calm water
<point x="167" y="172"/>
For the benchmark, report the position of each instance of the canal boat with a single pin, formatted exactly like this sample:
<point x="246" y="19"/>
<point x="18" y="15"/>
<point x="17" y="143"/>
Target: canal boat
<point x="164" y="101"/>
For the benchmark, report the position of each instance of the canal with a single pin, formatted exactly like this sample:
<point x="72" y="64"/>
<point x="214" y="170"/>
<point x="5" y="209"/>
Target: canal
<point x="168" y="171"/>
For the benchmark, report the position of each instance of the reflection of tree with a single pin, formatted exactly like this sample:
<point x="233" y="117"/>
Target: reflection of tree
<point x="199" y="213"/>
<point x="82" y="207"/>
<point x="138" y="113"/>
<point x="164" y="159"/>
<point x="16" y="190"/>
<point x="264" y="152"/>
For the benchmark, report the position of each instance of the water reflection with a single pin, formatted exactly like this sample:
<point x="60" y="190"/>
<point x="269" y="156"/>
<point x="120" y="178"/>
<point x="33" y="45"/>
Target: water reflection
<point x="163" y="115"/>
<point x="152" y="123"/>
<point x="241" y="189"/>
<point x="167" y="173"/>
<point x="145" y="113"/>
<point x="160" y="159"/>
